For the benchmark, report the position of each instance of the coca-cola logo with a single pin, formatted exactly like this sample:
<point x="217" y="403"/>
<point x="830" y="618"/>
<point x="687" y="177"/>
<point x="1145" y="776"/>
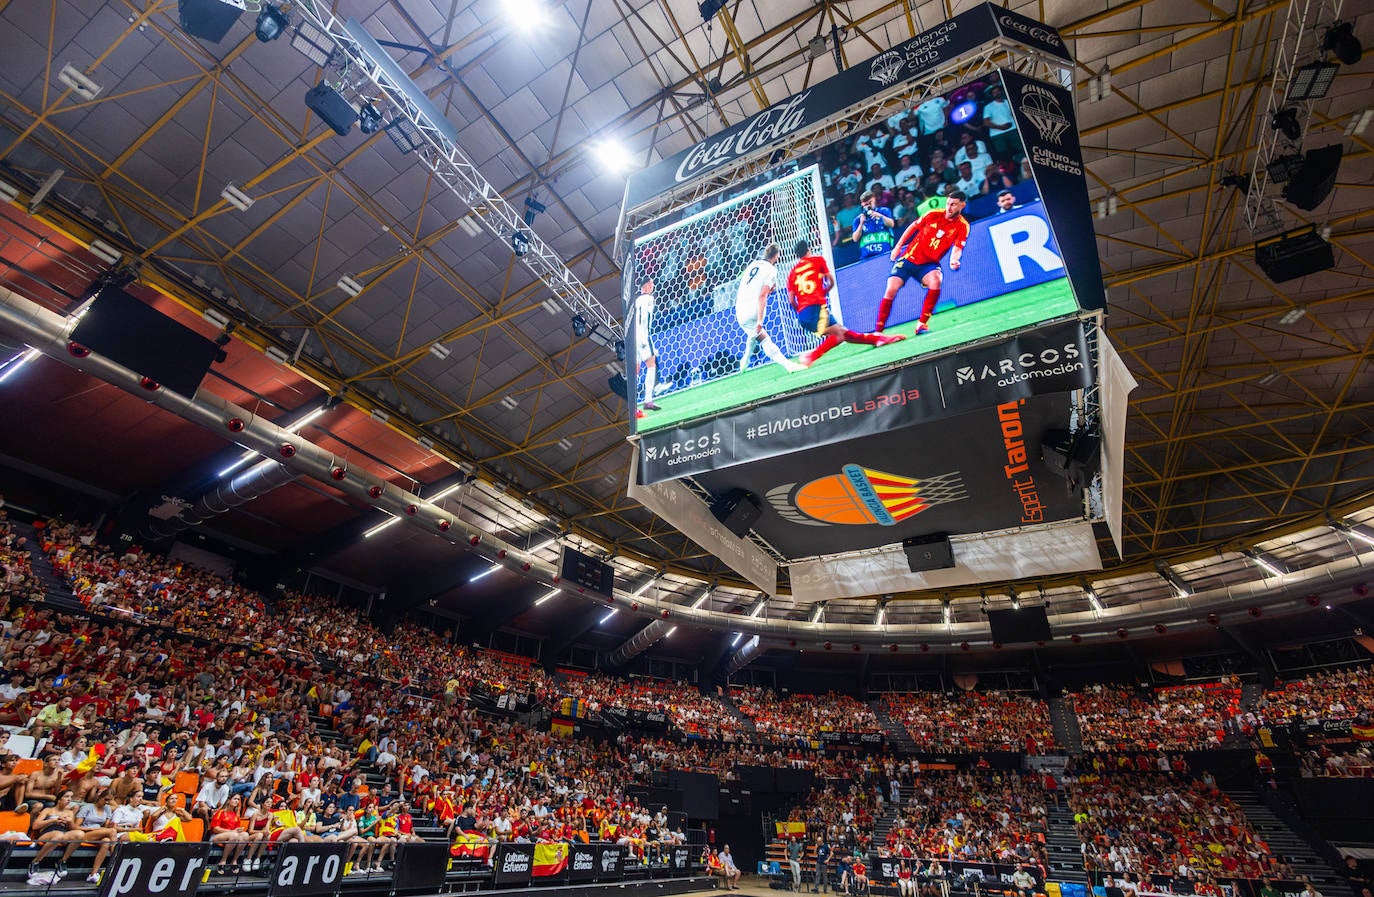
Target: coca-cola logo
<point x="1033" y="31"/>
<point x="763" y="129"/>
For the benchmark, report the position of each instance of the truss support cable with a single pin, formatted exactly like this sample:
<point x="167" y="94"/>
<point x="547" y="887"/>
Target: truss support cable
<point x="256" y="481"/>
<point x="638" y="643"/>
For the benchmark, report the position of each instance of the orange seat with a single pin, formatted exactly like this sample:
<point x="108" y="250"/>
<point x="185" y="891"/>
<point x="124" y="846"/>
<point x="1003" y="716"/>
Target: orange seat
<point x="26" y="765"/>
<point x="194" y="830"/>
<point x="187" y="783"/>
<point x="14" y="822"/>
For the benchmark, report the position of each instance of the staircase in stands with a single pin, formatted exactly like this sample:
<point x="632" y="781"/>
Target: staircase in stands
<point x="1063" y="850"/>
<point x="728" y="703"/>
<point x="1284" y="842"/>
<point x="1064" y="722"/>
<point x="56" y="590"/>
<point x="897" y="735"/>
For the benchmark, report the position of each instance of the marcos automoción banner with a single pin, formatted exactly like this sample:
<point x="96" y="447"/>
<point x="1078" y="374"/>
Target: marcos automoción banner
<point x="1053" y="359"/>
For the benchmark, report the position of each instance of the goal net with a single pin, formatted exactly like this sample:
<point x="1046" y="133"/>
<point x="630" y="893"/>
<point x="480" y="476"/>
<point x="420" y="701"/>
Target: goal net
<point x="696" y="266"/>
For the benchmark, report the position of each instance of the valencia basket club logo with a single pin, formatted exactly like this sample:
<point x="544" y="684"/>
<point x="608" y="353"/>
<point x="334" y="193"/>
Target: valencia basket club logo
<point x="1042" y="108"/>
<point x="861" y="496"/>
<point x="886" y="68"/>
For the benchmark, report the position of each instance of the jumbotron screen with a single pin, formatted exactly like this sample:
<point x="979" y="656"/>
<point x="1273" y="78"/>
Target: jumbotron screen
<point x="855" y="257"/>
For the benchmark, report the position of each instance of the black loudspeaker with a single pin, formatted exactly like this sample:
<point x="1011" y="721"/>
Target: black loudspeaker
<point x="143" y="339"/>
<point x="1309" y="186"/>
<point x="737" y="510"/>
<point x="332" y="108"/>
<point x="933" y="552"/>
<point x="1074" y="456"/>
<point x="207" y="19"/>
<point x="619" y="386"/>
<point x="1291" y="257"/>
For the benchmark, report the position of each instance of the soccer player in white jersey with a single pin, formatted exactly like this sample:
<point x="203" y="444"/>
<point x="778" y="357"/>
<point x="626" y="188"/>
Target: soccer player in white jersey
<point x="751" y="302"/>
<point x="644" y="347"/>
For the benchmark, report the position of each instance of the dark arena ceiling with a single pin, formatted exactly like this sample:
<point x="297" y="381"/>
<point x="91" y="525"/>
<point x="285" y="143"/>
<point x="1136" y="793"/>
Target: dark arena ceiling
<point x="1250" y="428"/>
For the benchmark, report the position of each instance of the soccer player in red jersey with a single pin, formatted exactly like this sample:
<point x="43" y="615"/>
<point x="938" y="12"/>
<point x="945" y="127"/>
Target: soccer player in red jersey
<point x="808" y="283"/>
<point x="918" y="253"/>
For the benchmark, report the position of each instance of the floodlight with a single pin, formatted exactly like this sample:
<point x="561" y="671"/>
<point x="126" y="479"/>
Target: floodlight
<point x="579" y="325"/>
<point x="1285" y="121"/>
<point x="312" y="43"/>
<point x="520" y="243"/>
<point x="620" y="350"/>
<point x="527" y="15"/>
<point x="404" y="133"/>
<point x="272" y="22"/>
<point x="1312" y="81"/>
<point x="612" y="155"/>
<point x="440" y="351"/>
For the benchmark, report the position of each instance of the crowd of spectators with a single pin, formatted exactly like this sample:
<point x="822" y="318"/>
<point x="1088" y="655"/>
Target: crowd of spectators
<point x="972" y="721"/>
<point x="684" y="706"/>
<point x="801" y="715"/>
<point x="988" y="817"/>
<point x="842" y="815"/>
<point x="1334" y="694"/>
<point x="1192" y="717"/>
<point x="1164" y="824"/>
<point x="1355" y="764"/>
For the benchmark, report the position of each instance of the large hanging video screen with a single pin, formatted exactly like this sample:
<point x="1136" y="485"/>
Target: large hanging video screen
<point x="922" y="232"/>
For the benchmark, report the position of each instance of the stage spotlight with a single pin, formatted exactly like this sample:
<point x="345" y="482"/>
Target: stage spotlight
<point x="1312" y="81"/>
<point x="620" y="350"/>
<point x="1281" y="168"/>
<point x="1285" y="121"/>
<point x="579" y="325"/>
<point x="271" y="23"/>
<point x="520" y="243"/>
<point x="369" y="119"/>
<point x="1340" y="39"/>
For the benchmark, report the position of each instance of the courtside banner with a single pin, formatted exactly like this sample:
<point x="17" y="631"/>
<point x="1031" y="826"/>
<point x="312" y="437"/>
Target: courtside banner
<point x="681" y="857"/>
<point x="926" y="51"/>
<point x="1038" y="362"/>
<point x="153" y="869"/>
<point x="1045" y="119"/>
<point x="421" y="865"/>
<point x="513" y="864"/>
<point x="611" y="864"/>
<point x="583" y="860"/>
<point x="308" y="870"/>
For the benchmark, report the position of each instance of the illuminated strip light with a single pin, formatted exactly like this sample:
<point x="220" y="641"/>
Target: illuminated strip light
<point x="705" y="596"/>
<point x="735" y="641"/>
<point x="550" y="594"/>
<point x="948" y="614"/>
<point x="758" y="608"/>
<point x="485" y="573"/>
<point x="670" y="632"/>
<point x="882" y="615"/>
<point x="818" y="612"/>
<point x="1358" y="532"/>
<point x="1168" y="575"/>
<point x="1092" y="598"/>
<point x="614" y="611"/>
<point x="1265" y="564"/>
<point x="8" y="369"/>
<point x="644" y="588"/>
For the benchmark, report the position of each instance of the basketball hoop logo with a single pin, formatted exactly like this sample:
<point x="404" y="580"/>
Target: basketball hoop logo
<point x="1044" y="112"/>
<point x="860" y="496"/>
<point x="886" y="68"/>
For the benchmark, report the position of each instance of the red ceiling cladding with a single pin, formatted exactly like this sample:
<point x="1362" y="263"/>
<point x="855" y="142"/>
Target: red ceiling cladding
<point x="96" y="433"/>
<point x="298" y="510"/>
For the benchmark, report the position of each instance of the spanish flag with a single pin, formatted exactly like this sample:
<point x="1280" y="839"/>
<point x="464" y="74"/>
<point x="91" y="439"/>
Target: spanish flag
<point x="561" y="727"/>
<point x="550" y="859"/>
<point x="789" y="829"/>
<point x="470" y="844"/>
<point x="1361" y="733"/>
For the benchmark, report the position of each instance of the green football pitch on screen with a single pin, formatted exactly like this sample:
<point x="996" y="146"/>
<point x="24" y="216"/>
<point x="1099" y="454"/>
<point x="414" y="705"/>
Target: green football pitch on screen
<point x="958" y="326"/>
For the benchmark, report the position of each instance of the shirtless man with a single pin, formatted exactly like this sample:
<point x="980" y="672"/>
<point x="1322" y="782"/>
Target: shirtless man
<point x="45" y="784"/>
